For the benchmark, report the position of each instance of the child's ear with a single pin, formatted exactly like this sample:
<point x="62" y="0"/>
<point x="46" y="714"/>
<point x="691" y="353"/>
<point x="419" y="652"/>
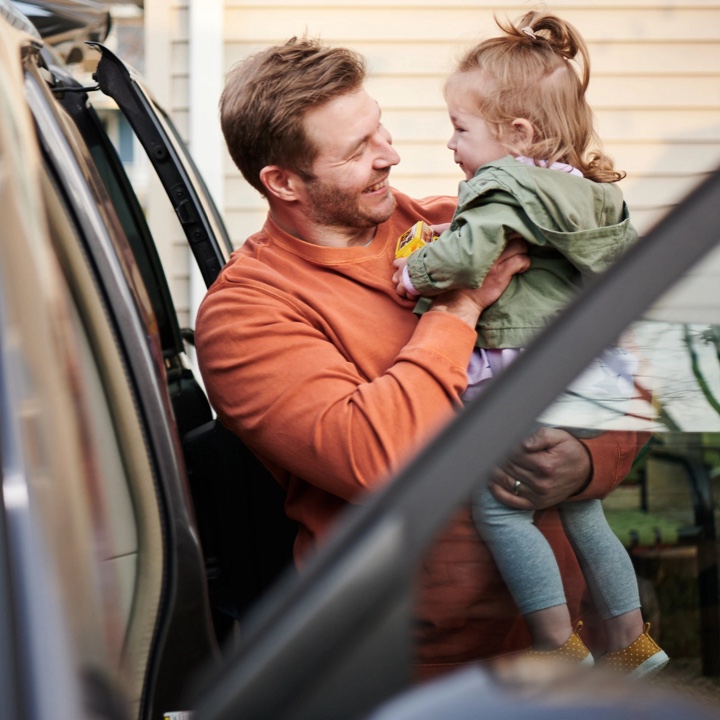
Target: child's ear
<point x="523" y="132"/>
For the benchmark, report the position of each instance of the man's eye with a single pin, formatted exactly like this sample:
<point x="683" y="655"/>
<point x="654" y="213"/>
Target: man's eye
<point x="358" y="152"/>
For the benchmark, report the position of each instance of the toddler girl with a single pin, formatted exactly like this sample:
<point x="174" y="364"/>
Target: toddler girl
<point x="523" y="136"/>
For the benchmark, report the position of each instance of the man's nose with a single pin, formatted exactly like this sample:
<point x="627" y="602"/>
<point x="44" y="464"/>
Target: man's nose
<point x="392" y="155"/>
<point x="387" y="155"/>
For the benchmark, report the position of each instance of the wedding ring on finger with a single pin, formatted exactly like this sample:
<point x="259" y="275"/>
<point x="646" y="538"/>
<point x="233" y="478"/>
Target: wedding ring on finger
<point x="516" y="487"/>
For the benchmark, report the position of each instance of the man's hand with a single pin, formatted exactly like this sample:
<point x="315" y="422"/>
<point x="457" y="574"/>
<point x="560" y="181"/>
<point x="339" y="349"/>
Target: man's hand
<point x="551" y="465"/>
<point x="468" y="304"/>
<point x="513" y="260"/>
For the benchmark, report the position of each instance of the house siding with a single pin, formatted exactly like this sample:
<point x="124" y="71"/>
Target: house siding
<point x="655" y="85"/>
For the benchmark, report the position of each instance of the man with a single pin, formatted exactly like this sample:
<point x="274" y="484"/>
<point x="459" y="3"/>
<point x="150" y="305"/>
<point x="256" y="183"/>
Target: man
<point x="311" y="357"/>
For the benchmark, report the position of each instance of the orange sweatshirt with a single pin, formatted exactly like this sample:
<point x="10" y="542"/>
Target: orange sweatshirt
<point x="311" y="357"/>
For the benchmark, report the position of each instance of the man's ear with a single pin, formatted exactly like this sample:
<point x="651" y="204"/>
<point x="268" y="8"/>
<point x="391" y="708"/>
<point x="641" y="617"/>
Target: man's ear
<point x="523" y="132"/>
<point x="281" y="183"/>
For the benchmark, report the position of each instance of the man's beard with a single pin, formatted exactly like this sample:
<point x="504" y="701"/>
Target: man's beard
<point x="332" y="205"/>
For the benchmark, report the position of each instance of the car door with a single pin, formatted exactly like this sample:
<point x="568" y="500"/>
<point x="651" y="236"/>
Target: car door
<point x="61" y="461"/>
<point x="166" y="627"/>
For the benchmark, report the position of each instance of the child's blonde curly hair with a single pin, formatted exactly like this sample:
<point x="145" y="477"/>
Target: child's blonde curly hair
<point x="539" y="70"/>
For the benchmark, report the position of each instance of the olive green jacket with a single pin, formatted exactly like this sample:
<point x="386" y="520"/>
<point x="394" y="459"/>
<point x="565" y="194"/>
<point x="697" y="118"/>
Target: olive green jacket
<point x="575" y="227"/>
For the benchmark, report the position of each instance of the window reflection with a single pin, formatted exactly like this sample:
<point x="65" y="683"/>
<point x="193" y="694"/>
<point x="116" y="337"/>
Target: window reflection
<point x="660" y="377"/>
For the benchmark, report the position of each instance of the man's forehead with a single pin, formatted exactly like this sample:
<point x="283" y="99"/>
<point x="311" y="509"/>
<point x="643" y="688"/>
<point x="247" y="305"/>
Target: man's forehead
<point x="344" y="121"/>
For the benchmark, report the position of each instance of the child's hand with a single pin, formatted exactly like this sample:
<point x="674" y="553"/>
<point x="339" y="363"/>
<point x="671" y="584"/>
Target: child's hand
<point x="397" y="277"/>
<point x="440" y="229"/>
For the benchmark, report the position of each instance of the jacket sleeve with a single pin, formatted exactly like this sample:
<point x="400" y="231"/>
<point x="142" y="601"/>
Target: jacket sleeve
<point x="462" y="256"/>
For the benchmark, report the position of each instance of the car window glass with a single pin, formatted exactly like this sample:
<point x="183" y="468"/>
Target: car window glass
<point x="123" y="505"/>
<point x="660" y="376"/>
<point x="133" y="221"/>
<point x="650" y="404"/>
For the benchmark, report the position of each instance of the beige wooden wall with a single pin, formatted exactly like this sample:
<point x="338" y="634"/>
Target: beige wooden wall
<point x="655" y="86"/>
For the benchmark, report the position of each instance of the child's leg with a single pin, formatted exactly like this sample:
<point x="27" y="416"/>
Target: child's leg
<point x="607" y="569"/>
<point x="550" y="627"/>
<point x="623" y="629"/>
<point x="528" y="566"/>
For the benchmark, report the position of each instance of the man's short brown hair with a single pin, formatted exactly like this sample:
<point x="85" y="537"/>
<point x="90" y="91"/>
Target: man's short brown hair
<point x="267" y="95"/>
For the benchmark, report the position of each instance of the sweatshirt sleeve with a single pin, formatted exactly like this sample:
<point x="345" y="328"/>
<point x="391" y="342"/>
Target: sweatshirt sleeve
<point x="612" y="455"/>
<point x="287" y="389"/>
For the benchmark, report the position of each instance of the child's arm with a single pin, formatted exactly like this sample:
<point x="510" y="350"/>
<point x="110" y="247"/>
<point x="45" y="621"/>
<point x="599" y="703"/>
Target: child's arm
<point x="400" y="282"/>
<point x="461" y="257"/>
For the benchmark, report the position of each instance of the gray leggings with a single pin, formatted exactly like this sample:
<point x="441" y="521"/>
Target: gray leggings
<point x="528" y="566"/>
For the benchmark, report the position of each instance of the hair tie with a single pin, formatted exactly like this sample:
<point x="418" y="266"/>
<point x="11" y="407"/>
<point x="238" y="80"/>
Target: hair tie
<point x="529" y="32"/>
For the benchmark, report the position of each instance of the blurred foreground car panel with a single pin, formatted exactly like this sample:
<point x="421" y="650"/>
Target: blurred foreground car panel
<point x="60" y="614"/>
<point x="130" y="488"/>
